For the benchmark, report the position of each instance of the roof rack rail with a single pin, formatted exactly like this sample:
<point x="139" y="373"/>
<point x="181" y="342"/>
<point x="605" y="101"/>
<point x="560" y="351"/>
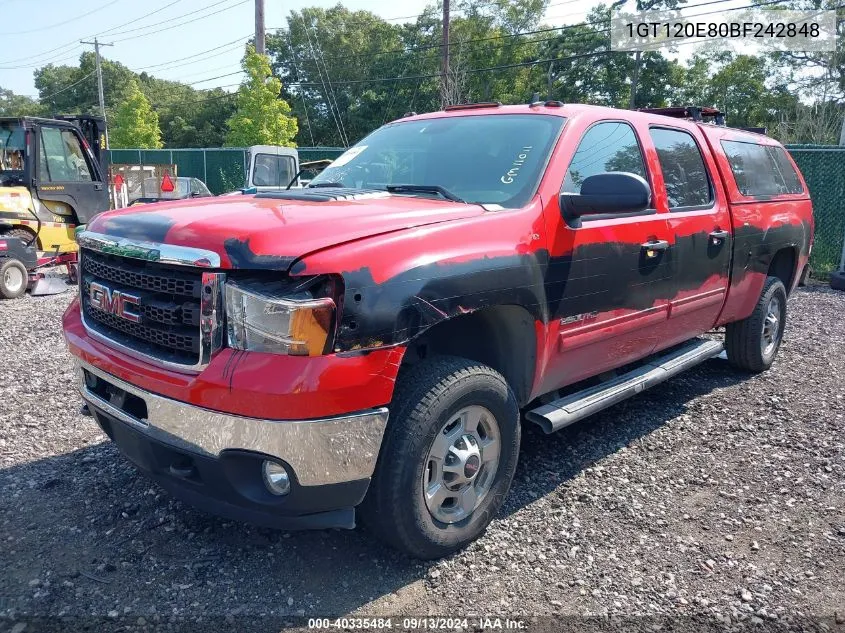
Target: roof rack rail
<point x="471" y="106"/>
<point x="695" y="113"/>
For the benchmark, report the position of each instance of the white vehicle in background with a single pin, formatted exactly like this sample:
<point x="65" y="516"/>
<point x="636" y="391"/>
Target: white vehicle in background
<point x="274" y="168"/>
<point x="271" y="168"/>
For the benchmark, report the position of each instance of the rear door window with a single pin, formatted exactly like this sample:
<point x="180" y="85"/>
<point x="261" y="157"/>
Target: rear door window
<point x="761" y="170"/>
<point x="607" y="146"/>
<point x="785" y="168"/>
<point x="684" y="173"/>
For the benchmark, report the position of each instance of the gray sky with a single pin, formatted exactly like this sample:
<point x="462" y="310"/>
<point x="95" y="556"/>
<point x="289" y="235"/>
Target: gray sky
<point x="148" y="34"/>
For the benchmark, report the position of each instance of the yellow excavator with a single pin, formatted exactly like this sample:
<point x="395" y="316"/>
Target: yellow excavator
<point x="52" y="178"/>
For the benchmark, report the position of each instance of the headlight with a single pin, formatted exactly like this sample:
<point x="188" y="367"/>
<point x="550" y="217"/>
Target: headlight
<point x="261" y="320"/>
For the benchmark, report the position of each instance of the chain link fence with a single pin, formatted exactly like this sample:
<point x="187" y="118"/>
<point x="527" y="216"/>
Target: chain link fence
<point x="823" y="167"/>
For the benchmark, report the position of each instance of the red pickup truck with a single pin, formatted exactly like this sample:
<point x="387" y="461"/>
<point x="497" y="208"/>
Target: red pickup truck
<point x="371" y="343"/>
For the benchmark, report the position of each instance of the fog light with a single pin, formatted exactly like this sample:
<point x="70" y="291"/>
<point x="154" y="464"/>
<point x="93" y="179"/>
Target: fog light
<point x="276" y="478"/>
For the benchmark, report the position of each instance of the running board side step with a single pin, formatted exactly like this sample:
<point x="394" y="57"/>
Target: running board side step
<point x="581" y="404"/>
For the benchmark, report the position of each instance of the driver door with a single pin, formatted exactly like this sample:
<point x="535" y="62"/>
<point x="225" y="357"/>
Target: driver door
<point x="67" y="181"/>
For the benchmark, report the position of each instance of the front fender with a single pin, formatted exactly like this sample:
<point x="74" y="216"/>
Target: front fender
<point x="397" y="286"/>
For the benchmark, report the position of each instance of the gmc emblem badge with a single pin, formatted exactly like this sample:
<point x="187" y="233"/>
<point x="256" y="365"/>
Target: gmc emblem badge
<point x="114" y="301"/>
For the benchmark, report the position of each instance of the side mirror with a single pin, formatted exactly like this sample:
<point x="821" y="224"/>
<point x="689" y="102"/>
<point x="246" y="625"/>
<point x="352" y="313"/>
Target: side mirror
<point x="610" y="192"/>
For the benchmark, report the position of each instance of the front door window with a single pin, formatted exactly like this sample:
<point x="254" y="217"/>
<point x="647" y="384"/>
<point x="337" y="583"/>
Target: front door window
<point x="62" y="157"/>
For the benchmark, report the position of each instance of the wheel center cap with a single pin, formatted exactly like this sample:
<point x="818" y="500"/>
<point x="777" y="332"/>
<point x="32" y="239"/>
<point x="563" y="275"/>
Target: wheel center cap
<point x="471" y="467"/>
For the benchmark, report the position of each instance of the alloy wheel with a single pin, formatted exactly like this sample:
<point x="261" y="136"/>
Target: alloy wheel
<point x="461" y="464"/>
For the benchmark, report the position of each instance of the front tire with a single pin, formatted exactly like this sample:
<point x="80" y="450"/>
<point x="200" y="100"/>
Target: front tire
<point x="447" y="460"/>
<point x="753" y="343"/>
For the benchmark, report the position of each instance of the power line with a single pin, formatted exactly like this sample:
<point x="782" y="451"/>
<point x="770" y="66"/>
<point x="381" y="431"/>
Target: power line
<point x="204" y="70"/>
<point x="228" y="95"/>
<point x="408" y="77"/>
<point x="200" y="81"/>
<point x="331" y="88"/>
<point x="327" y="82"/>
<point x="74" y="42"/>
<point x="146" y="15"/>
<point x="486" y="4"/>
<point x="538" y="61"/>
<point x="320" y="75"/>
<point x="63" y="22"/>
<point x="301" y="93"/>
<point x="535" y="62"/>
<point x="191" y="14"/>
<point x="232" y="44"/>
<point x="68" y="54"/>
<point x="75" y="83"/>
<point x="393" y="93"/>
<point x="566" y="27"/>
<point x="154" y="26"/>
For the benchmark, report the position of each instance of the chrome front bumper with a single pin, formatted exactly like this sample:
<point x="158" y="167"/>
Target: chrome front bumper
<point x="321" y="451"/>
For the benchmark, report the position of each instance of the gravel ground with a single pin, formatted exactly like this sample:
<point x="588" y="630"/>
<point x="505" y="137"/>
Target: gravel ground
<point x="716" y="495"/>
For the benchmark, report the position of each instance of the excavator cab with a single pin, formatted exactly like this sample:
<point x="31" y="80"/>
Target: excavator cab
<point x="52" y="178"/>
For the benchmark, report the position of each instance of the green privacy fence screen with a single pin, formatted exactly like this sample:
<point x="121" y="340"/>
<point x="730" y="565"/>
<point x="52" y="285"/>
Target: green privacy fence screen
<point x="222" y="169"/>
<point x="823" y="167"/>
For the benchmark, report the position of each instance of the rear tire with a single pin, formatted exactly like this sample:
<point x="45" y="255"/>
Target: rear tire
<point x="753" y="343"/>
<point x="14" y="278"/>
<point x="447" y="459"/>
<point x="837" y="280"/>
<point x="22" y="234"/>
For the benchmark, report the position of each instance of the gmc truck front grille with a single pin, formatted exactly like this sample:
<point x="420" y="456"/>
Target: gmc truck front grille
<point x="130" y="274"/>
<point x="165" y="313"/>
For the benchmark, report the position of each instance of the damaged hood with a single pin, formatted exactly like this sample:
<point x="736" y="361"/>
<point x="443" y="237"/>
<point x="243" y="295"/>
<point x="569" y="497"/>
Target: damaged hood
<point x="267" y="233"/>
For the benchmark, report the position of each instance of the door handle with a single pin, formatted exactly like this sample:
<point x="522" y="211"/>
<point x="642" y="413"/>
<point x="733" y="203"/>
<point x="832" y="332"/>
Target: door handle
<point x="98" y="186"/>
<point x="718" y="235"/>
<point x="654" y="247"/>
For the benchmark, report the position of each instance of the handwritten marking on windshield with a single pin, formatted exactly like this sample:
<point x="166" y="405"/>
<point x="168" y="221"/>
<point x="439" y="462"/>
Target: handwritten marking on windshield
<point x="513" y="172"/>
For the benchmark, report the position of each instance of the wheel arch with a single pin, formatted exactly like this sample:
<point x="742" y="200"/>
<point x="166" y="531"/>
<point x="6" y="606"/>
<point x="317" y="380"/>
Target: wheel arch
<point x="15" y="228"/>
<point x="503" y="337"/>
<point x="784" y="266"/>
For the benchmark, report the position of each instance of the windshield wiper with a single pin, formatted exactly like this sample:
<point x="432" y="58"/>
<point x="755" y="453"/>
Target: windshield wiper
<point x="441" y="191"/>
<point x="316" y="185"/>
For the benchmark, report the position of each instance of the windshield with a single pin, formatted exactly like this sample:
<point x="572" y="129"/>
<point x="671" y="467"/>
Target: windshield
<point x="12" y="146"/>
<point x="486" y="159"/>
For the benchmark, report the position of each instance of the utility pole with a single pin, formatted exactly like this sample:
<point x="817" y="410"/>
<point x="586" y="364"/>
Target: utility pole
<point x="97" y="46"/>
<point x="445" y="70"/>
<point x="259" y="27"/>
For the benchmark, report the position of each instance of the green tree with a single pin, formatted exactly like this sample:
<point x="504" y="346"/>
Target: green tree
<point x="589" y="73"/>
<point x="261" y="117"/>
<point x="135" y="123"/>
<point x="18" y="105"/>
<point x="346" y="72"/>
